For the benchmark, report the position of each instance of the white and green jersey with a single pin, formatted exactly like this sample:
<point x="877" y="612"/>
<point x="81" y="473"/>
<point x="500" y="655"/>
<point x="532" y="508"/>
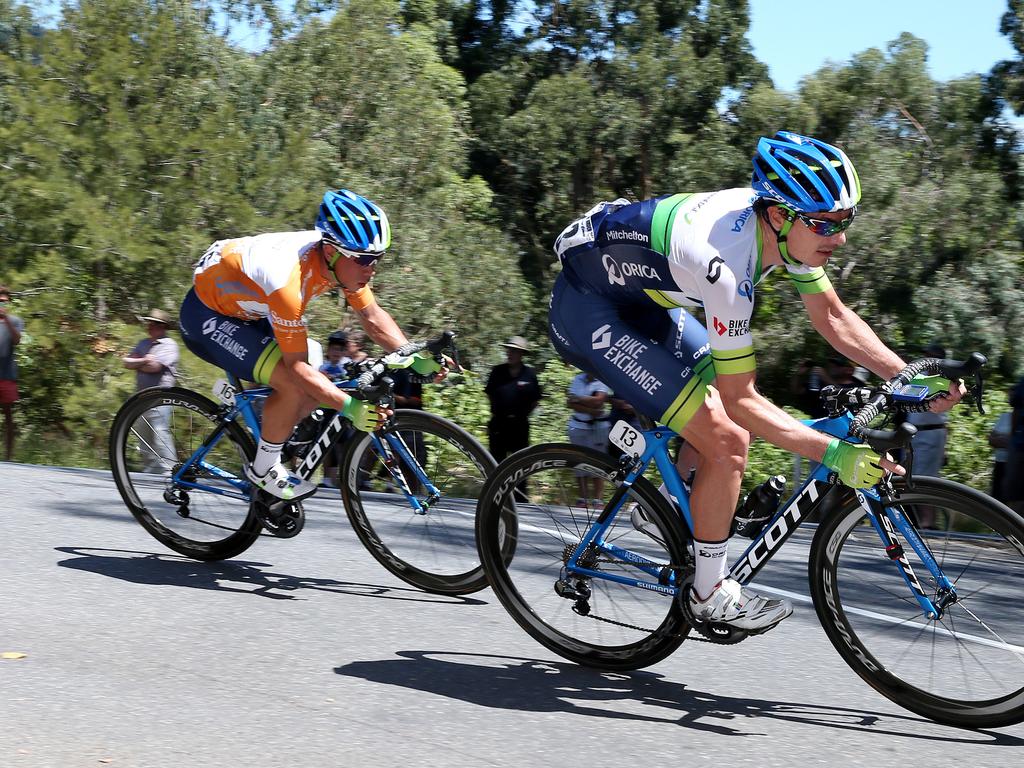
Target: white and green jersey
<point x="699" y="249"/>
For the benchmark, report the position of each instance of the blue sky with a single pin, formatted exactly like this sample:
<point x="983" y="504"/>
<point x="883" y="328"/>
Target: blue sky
<point x="795" y="41"/>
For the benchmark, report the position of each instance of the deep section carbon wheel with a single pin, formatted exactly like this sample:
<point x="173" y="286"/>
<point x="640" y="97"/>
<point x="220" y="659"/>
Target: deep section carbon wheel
<point x="964" y="668"/>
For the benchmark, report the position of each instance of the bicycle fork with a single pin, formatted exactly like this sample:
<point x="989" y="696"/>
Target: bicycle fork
<point x="887" y="522"/>
<point x="395" y="455"/>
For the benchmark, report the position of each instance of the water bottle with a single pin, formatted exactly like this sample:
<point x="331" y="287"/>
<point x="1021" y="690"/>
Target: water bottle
<point x="304" y="435"/>
<point x="758" y="507"/>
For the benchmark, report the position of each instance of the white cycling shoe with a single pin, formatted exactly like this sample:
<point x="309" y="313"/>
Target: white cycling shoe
<point x="740" y="608"/>
<point x="280" y="483"/>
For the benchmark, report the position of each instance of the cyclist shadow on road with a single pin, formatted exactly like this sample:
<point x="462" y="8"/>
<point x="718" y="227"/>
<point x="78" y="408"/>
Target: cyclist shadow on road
<point x="243" y="576"/>
<point x="533" y="685"/>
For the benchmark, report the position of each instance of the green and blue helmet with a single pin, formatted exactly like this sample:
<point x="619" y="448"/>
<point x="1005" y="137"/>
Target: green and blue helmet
<point x="804" y="174"/>
<point x="357" y="227"/>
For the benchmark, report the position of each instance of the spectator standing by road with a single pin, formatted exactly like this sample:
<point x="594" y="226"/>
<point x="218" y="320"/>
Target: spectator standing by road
<point x="514" y="392"/>
<point x="809" y="379"/>
<point x="155" y="358"/>
<point x="337" y="355"/>
<point x="1013" y="482"/>
<point x="355" y="351"/>
<point x="155" y="362"/>
<point x="999" y="439"/>
<point x="806" y="384"/>
<point x="11" y="328"/>
<point x="588" y="426"/>
<point x="930" y="441"/>
<point x="409" y="394"/>
<point x="334" y="369"/>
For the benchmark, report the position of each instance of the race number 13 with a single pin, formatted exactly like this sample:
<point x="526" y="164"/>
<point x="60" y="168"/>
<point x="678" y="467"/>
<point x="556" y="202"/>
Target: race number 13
<point x="627" y="439"/>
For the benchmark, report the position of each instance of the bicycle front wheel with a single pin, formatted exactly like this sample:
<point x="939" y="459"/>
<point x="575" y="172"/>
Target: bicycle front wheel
<point x="434" y="550"/>
<point x="557" y="493"/>
<point x="965" y="668"/>
<point x="200" y="509"/>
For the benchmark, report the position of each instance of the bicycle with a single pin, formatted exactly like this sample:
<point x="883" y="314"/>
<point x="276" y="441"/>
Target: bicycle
<point x="925" y="617"/>
<point x="409" y="489"/>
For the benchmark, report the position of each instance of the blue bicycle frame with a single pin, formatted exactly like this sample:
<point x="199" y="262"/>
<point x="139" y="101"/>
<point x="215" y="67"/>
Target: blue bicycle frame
<point x="886" y="520"/>
<point x="387" y="443"/>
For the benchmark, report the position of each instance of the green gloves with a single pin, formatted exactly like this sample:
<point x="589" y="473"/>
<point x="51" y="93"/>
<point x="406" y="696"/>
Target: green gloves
<point x="857" y="465"/>
<point x="424" y="363"/>
<point x="936" y="384"/>
<point x="363" y="415"/>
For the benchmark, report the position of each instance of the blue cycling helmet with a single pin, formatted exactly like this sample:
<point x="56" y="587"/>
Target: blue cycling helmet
<point x="804" y="174"/>
<point x="353" y="224"/>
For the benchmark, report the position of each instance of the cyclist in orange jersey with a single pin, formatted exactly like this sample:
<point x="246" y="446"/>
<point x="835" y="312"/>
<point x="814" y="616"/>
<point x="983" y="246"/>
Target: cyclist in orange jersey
<point x="245" y="315"/>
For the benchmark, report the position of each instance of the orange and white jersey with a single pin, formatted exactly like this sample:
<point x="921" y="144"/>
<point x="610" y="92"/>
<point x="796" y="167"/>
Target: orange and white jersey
<point x="273" y="276"/>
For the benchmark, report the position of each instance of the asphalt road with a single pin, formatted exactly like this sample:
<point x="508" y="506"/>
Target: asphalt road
<point x="306" y="653"/>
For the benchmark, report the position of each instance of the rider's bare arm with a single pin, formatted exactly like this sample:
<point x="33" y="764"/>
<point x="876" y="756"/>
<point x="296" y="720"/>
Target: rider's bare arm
<point x="762" y="418"/>
<point x="847" y="333"/>
<point x="381" y="327"/>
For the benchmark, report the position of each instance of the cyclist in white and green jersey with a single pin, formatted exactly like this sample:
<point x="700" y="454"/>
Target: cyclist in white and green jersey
<point x="628" y="269"/>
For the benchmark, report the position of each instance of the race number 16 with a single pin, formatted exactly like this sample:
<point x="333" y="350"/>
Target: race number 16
<point x="628" y="440"/>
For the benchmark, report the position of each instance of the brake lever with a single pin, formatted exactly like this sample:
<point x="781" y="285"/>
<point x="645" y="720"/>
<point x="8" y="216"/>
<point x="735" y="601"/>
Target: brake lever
<point x="978" y="391"/>
<point x="455" y="355"/>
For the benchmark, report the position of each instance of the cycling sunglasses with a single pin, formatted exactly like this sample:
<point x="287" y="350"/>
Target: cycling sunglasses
<point x="366" y="259"/>
<point x="826" y="227"/>
<point x="362" y="259"/>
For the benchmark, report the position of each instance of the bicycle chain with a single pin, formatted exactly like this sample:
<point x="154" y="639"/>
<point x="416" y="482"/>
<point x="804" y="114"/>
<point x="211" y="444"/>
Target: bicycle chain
<point x="695" y="636"/>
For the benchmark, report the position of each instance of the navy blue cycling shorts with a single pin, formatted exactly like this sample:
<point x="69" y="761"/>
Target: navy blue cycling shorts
<point x="245" y="348"/>
<point x="657" y="359"/>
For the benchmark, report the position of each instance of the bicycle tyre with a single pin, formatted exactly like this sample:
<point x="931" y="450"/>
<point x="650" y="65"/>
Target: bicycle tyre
<point x="547" y="616"/>
<point x="238" y="518"/>
<point x="982" y="553"/>
<point x="435" y="552"/>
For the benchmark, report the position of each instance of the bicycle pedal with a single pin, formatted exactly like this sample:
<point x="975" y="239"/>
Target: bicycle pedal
<point x="722" y="634"/>
<point x="711" y="631"/>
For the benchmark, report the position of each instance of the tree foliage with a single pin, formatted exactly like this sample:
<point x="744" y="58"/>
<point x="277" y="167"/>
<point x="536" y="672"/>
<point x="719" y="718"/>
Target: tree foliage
<point x="134" y="132"/>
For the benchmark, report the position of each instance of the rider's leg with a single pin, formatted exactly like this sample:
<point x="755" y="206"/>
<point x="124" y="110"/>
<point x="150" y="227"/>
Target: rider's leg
<point x="721" y="447"/>
<point x="686" y="460"/>
<point x="285" y="408"/>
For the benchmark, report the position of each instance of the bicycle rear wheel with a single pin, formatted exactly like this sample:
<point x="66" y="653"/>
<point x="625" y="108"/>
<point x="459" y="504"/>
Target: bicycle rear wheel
<point x="965" y="668"/>
<point x="435" y="551"/>
<point x="154" y="434"/>
<point x="626" y="627"/>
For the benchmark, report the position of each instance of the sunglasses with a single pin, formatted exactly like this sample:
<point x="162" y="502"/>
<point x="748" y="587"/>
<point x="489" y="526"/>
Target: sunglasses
<point x="366" y="259"/>
<point x="362" y="259"/>
<point x="826" y="227"/>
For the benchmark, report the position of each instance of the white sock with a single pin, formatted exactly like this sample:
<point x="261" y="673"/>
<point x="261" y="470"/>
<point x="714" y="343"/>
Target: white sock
<point x="712" y="564"/>
<point x="267" y="455"/>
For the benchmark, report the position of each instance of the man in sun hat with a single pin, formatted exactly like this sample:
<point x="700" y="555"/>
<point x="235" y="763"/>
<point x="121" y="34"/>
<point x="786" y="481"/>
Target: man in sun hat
<point x="155" y="362"/>
<point x="514" y="392"/>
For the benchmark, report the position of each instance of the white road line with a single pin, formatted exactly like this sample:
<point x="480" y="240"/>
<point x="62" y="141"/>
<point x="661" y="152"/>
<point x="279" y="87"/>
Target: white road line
<point x="891" y="620"/>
